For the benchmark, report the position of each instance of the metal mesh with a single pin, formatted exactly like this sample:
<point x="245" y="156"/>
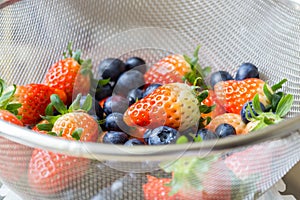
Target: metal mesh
<point x="265" y="32"/>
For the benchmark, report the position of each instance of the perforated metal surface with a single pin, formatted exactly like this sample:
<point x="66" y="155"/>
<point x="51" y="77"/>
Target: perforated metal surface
<point x="33" y="34"/>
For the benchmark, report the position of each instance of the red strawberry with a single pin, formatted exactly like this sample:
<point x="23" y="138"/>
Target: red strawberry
<point x="156" y="189"/>
<point x="72" y="75"/>
<point x="174" y="105"/>
<point x="34" y="99"/>
<point x="10" y="117"/>
<point x="199" y="178"/>
<point x="50" y="172"/>
<point x="234" y="94"/>
<point x="210" y="101"/>
<point x="170" y="69"/>
<point x="230" y="118"/>
<point x="251" y="165"/>
<point x="176" y="69"/>
<point x="14" y="157"/>
<point x="216" y="183"/>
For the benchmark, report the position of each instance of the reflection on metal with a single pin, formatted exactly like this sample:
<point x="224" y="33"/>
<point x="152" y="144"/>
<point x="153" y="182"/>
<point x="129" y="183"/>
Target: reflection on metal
<point x="292" y="3"/>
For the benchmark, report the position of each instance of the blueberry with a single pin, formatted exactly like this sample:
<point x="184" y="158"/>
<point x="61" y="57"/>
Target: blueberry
<point x="134" y="95"/>
<point x="129" y="80"/>
<point x="136" y="63"/>
<point x="219" y="76"/>
<point x="96" y="111"/>
<point x="115" y="103"/>
<point x="246" y="70"/>
<point x="133" y="142"/>
<point x="243" y="111"/>
<point x="150" y="89"/>
<point x="103" y="91"/>
<point x="111" y="68"/>
<point x="206" y="134"/>
<point x="114" y="122"/>
<point x="225" y="130"/>
<point x="114" y="137"/>
<point x="161" y="135"/>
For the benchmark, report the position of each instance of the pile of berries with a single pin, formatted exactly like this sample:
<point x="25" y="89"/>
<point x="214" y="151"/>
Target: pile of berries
<point x="125" y="103"/>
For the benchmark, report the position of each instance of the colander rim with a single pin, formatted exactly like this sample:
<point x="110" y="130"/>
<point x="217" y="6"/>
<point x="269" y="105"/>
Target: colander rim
<point x="119" y="152"/>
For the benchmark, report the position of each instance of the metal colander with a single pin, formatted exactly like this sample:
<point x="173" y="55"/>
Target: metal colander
<point x="33" y="34"/>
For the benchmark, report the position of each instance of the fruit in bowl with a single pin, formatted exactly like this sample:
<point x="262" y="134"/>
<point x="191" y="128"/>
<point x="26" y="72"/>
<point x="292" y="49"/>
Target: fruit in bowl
<point x="175" y="101"/>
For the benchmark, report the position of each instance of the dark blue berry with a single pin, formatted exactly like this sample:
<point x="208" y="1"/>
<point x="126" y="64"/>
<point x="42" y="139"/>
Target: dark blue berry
<point x="134" y="95"/>
<point x="103" y="91"/>
<point x="206" y="134"/>
<point x="136" y="63"/>
<point x="133" y="142"/>
<point x="114" y="137"/>
<point x="115" y="103"/>
<point x="246" y="70"/>
<point x="218" y="77"/>
<point x="161" y="135"/>
<point x="244" y="111"/>
<point x="114" y="122"/>
<point x="111" y="68"/>
<point x="150" y="89"/>
<point x="225" y="130"/>
<point x="96" y="111"/>
<point x="129" y="80"/>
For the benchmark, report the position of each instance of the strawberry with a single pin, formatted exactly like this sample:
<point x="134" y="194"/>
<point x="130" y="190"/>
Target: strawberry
<point x="72" y="75"/>
<point x="156" y="189"/>
<point x="234" y="94"/>
<point x="51" y="172"/>
<point x="10" y="117"/>
<point x="34" y="99"/>
<point x="14" y="157"/>
<point x="229" y="118"/>
<point x="177" y="68"/>
<point x="175" y="105"/>
<point x="250" y="169"/>
<point x="247" y="162"/>
<point x="199" y="178"/>
<point x="211" y="101"/>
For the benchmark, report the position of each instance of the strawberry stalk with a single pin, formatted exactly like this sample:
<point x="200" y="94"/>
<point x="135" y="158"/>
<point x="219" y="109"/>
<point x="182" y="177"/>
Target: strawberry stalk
<point x="56" y="103"/>
<point x="280" y="105"/>
<point x="6" y="95"/>
<point x="86" y="65"/>
<point x="197" y="74"/>
<point x="187" y="172"/>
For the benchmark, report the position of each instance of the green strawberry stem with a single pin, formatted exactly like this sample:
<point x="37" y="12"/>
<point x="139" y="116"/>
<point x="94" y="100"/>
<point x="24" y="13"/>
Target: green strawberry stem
<point x="45" y="127"/>
<point x="77" y="133"/>
<point x="6" y="95"/>
<point x="85" y="65"/>
<point x="284" y="105"/>
<point x="188" y="172"/>
<point x="203" y="108"/>
<point x="57" y="103"/>
<point x="281" y="104"/>
<point x="197" y="74"/>
<point x="182" y="140"/>
<point x="278" y="85"/>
